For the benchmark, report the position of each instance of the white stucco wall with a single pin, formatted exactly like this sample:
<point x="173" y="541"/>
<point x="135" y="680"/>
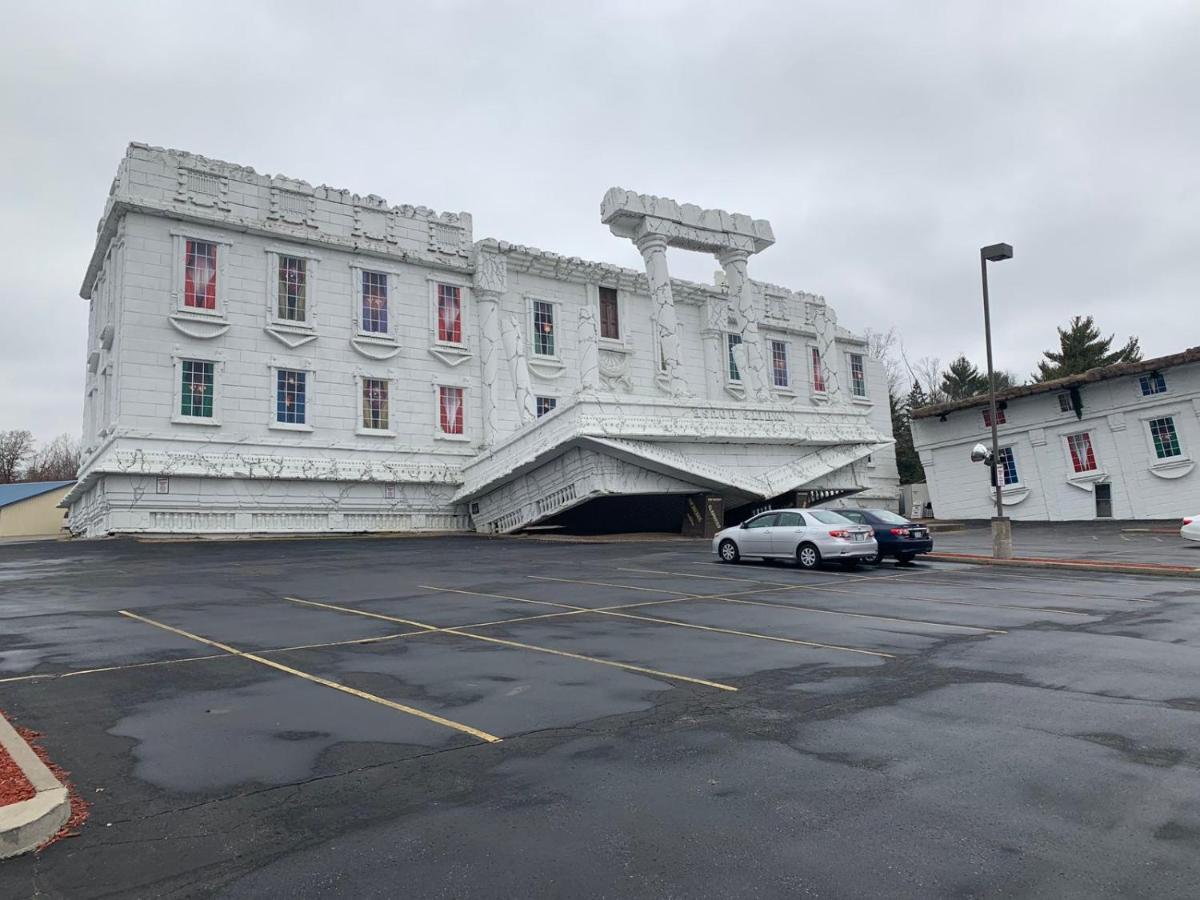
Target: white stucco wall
<point x="1115" y="415"/>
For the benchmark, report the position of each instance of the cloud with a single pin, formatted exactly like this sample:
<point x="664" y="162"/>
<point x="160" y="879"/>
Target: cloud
<point x="886" y="142"/>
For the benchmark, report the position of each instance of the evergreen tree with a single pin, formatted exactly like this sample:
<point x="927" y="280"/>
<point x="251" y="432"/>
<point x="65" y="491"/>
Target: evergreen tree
<point x="908" y="462"/>
<point x="962" y="380"/>
<point x="1081" y="348"/>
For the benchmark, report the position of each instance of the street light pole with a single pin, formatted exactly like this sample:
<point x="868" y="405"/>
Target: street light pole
<point x="1001" y="526"/>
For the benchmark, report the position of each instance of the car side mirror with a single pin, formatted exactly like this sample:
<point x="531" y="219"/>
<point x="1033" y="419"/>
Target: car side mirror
<point x="743" y="525"/>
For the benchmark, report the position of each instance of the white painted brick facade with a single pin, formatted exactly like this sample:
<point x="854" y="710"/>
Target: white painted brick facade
<point x="1115" y="415"/>
<point x="145" y="471"/>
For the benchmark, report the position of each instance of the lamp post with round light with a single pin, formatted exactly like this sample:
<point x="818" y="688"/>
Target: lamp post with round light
<point x="1001" y="525"/>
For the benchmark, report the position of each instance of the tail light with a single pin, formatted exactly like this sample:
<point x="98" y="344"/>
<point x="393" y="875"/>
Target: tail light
<point x="1187" y="521"/>
<point x="900" y="532"/>
<point x="839" y="533"/>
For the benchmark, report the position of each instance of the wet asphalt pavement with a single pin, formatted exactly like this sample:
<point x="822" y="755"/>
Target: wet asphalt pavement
<point x="668" y="726"/>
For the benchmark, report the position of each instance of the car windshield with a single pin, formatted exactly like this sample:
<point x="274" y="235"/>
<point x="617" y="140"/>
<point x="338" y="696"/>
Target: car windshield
<point x="889" y="518"/>
<point x="828" y="517"/>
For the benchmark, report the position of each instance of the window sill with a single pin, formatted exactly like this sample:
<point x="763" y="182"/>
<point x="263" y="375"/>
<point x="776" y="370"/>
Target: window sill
<point x="1175" y="467"/>
<point x="546" y="366"/>
<point x="1086" y="481"/>
<point x="783" y="391"/>
<point x="614" y="345"/>
<point x="197" y="324"/>
<point x="450" y="354"/>
<point x="291" y="334"/>
<point x="289" y="426"/>
<point x="375" y="346"/>
<point x="442" y="436"/>
<point x="192" y="420"/>
<point x="862" y="401"/>
<point x="375" y="432"/>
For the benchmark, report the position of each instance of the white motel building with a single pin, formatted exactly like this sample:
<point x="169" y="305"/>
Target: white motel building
<point x="1117" y="442"/>
<point x="265" y="356"/>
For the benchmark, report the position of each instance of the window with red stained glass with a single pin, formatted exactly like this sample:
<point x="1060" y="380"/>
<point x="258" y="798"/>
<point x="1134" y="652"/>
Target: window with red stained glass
<point x="1083" y="459"/>
<point x="818" y="374"/>
<point x="200" y="275"/>
<point x="450" y="409"/>
<point x="1000" y="417"/>
<point x="449" y="312"/>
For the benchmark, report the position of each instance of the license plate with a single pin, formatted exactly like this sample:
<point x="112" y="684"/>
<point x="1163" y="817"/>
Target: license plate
<point x="920" y="534"/>
<point x="859" y="536"/>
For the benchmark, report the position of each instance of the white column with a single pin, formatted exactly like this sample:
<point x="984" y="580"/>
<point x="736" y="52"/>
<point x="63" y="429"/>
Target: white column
<point x="488" y="304"/>
<point x="654" y="251"/>
<point x="825" y="325"/>
<point x="514" y="352"/>
<point x="741" y="295"/>
<point x="589" y="350"/>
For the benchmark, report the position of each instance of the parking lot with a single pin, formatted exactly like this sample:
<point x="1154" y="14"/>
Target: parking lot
<point x="472" y="717"/>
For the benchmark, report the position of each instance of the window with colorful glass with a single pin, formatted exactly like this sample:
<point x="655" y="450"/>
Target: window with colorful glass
<point x="375" y="302"/>
<point x="733" y="340"/>
<point x="1083" y="458"/>
<point x="818" y="374"/>
<point x="196" y="389"/>
<point x="293" y="289"/>
<point x="1007" y="465"/>
<point x="779" y="364"/>
<point x="200" y="275"/>
<point x="375" y="404"/>
<point x="858" y="375"/>
<point x="450" y="409"/>
<point x="545" y="405"/>
<point x="1154" y="383"/>
<point x="543" y="328"/>
<point x="1166" y="439"/>
<point x="610" y="314"/>
<point x="290" y="396"/>
<point x="1001" y="418"/>
<point x="449" y="313"/>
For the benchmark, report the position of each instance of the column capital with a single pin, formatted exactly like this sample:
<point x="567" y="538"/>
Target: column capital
<point x="648" y="243"/>
<point x="731" y="255"/>
<point x="486" y="295"/>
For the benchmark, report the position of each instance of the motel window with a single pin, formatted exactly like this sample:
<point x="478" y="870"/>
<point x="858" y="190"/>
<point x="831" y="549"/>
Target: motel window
<point x="858" y="375"/>
<point x="1064" y="402"/>
<point x="733" y="340"/>
<point x="1151" y="384"/>
<point x="450" y="409"/>
<point x="610" y="315"/>
<point x="290" y="396"/>
<point x="818" y="374"/>
<point x="543" y="328"/>
<point x="196" y="389"/>
<point x="1083" y="458"/>
<point x="375" y="302"/>
<point x="545" y="405"/>
<point x="1166" y="440"/>
<point x="1001" y="418"/>
<point x="293" y="289"/>
<point x="200" y="275"/>
<point x="779" y="364"/>
<point x="375" y="404"/>
<point x="1008" y="465"/>
<point x="449" y="314"/>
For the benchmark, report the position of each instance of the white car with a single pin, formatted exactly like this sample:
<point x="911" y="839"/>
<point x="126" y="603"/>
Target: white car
<point x="809" y="536"/>
<point x="1191" y="529"/>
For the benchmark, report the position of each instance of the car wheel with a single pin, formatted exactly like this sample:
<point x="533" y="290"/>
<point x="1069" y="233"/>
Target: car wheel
<point x="850" y="564"/>
<point x="874" y="559"/>
<point x="905" y="558"/>
<point x="808" y="556"/>
<point x="728" y="551"/>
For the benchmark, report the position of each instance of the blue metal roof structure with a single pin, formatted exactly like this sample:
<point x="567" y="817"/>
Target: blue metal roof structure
<point x="15" y="493"/>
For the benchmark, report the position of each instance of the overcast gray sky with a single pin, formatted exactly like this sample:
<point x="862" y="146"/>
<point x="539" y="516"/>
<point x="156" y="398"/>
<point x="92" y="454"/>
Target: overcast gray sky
<point x="886" y="142"/>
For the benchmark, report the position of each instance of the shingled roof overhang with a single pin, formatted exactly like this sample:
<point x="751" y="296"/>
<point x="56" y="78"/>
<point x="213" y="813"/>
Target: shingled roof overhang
<point x="1091" y="376"/>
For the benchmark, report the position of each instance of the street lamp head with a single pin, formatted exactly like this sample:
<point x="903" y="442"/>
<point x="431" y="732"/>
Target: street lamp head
<point x="996" y="252"/>
<point x="980" y="453"/>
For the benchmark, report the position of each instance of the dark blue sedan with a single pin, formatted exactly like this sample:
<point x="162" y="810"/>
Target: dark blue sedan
<point x="897" y="536"/>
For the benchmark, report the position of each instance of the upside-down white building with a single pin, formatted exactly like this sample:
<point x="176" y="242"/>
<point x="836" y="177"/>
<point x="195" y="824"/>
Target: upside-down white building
<point x="267" y="356"/>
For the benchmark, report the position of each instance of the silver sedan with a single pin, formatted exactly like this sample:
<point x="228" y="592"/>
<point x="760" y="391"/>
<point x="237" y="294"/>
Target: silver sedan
<point x="808" y="536"/>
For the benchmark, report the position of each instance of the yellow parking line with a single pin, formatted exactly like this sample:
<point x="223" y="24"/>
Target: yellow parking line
<point x="142" y="665"/>
<point x="316" y="679"/>
<point x="433" y="629"/>
<point x="628" y="587"/>
<point x="612" y="611"/>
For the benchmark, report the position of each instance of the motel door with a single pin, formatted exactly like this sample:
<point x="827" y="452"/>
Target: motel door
<point x="1104" y="501"/>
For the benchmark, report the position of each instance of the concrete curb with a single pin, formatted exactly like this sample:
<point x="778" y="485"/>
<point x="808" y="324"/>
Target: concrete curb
<point x="1070" y="565"/>
<point x="26" y="825"/>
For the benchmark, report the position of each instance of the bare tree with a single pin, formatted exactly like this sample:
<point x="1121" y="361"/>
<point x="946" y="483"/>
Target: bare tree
<point x="926" y="373"/>
<point x="15" y="447"/>
<point x="57" y="461"/>
<point x="883" y="346"/>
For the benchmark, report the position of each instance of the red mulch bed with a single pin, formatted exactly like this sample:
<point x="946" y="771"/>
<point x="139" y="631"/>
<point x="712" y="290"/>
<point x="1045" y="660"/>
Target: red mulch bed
<point x="22" y="790"/>
<point x="14" y="786"/>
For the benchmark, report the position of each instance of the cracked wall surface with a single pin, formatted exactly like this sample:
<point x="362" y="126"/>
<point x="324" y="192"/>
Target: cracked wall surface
<point x="665" y="375"/>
